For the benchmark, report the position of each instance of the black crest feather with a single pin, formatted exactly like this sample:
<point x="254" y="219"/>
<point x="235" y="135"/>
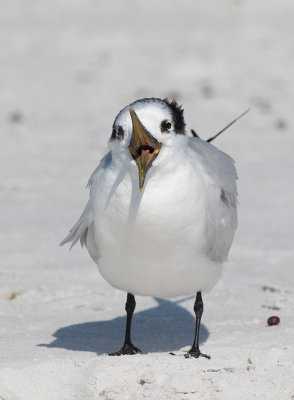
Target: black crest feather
<point x="178" y="116"/>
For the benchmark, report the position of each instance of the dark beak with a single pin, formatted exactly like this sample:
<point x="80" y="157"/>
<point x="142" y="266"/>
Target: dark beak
<point x="143" y="147"/>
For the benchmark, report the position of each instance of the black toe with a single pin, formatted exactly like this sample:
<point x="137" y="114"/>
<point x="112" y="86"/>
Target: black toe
<point x="195" y="353"/>
<point x="127" y="349"/>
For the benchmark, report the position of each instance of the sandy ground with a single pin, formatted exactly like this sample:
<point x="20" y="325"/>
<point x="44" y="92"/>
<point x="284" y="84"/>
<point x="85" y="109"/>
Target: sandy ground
<point x="67" y="68"/>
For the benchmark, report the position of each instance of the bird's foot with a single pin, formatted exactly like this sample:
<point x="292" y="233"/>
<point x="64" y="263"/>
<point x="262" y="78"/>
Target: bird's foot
<point x="127" y="349"/>
<point x="196" y="354"/>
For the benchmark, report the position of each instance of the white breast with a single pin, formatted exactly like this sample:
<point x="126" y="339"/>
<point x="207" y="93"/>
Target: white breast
<point x="155" y="244"/>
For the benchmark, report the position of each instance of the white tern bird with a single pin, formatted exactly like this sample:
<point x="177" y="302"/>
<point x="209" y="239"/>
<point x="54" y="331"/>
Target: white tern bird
<point x="162" y="210"/>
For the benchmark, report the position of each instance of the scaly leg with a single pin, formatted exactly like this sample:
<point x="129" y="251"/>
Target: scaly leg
<point x="128" y="347"/>
<point x="198" y="309"/>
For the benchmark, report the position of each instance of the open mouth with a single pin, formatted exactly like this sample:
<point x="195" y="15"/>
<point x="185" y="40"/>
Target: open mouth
<point x="143" y="147"/>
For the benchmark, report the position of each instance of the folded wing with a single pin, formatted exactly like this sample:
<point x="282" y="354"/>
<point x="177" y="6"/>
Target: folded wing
<point x="83" y="230"/>
<point x="220" y="177"/>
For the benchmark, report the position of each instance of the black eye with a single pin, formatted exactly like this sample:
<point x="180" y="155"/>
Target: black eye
<point x="165" y="126"/>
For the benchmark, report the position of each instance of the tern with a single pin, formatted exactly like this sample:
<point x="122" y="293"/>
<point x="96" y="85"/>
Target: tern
<point x="162" y="211"/>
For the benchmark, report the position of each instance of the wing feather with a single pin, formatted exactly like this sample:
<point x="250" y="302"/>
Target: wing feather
<point x="222" y="198"/>
<point x="83" y="230"/>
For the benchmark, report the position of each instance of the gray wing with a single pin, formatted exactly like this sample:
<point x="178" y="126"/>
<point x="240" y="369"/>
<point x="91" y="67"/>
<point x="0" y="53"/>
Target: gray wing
<point x="83" y="230"/>
<point x="220" y="180"/>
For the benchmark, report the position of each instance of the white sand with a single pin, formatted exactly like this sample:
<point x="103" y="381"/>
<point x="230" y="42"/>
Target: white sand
<point x="67" y="68"/>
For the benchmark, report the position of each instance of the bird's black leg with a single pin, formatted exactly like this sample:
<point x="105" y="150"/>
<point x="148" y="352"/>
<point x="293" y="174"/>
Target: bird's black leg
<point x="198" y="309"/>
<point x="128" y="347"/>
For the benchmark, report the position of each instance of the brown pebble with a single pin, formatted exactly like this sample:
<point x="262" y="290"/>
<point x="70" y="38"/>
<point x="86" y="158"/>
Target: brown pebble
<point x="274" y="320"/>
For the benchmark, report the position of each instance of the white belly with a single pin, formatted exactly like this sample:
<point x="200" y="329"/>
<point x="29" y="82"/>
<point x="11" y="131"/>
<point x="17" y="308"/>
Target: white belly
<point x="154" y="244"/>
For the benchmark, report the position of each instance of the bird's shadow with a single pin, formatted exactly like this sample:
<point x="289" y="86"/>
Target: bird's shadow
<point x="166" y="327"/>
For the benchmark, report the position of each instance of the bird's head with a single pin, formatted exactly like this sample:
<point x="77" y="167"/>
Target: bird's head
<point x="143" y="128"/>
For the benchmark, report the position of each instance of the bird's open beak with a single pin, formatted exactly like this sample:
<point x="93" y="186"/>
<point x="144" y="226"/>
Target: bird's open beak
<point x="143" y="147"/>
